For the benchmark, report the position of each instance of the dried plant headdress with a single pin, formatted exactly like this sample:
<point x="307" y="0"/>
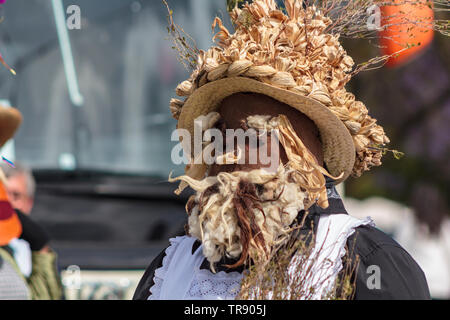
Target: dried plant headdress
<point x="292" y="54"/>
<point x="296" y="48"/>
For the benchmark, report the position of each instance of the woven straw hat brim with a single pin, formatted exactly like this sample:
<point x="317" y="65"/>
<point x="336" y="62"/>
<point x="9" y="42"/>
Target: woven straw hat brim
<point x="338" y="148"/>
<point x="10" y="120"/>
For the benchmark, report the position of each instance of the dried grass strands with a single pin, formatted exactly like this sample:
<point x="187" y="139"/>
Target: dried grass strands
<point x="182" y="42"/>
<point x="293" y="272"/>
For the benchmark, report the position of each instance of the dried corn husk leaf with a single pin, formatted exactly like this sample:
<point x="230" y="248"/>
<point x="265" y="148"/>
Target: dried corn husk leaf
<point x="320" y="96"/>
<point x="184" y="89"/>
<point x="175" y="107"/>
<point x="283" y="80"/>
<point x="353" y="127"/>
<point x="320" y="93"/>
<point x="210" y="64"/>
<point x="218" y="72"/>
<point x="341" y="112"/>
<point x="303" y="90"/>
<point x="260" y="71"/>
<point x="194" y="173"/>
<point x="238" y="67"/>
<point x="284" y="64"/>
<point x="361" y="142"/>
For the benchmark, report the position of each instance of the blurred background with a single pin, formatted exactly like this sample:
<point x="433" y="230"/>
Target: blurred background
<point x="97" y="136"/>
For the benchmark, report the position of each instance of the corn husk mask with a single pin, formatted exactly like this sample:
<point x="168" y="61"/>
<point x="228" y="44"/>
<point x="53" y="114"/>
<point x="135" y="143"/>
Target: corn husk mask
<point x="244" y="214"/>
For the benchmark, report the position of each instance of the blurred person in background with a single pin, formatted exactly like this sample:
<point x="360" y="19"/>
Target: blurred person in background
<point x="21" y="186"/>
<point x="43" y="281"/>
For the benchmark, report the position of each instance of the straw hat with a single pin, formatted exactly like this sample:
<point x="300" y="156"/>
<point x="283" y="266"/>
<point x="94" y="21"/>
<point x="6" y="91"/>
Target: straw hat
<point x="291" y="58"/>
<point x="10" y="226"/>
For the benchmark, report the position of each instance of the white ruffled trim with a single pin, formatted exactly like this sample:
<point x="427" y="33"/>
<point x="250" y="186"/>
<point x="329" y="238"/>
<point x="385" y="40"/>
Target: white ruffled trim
<point x="222" y="285"/>
<point x="229" y="280"/>
<point x="160" y="273"/>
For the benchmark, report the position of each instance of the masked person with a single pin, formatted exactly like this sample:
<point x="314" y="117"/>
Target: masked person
<point x="43" y="281"/>
<point x="279" y="76"/>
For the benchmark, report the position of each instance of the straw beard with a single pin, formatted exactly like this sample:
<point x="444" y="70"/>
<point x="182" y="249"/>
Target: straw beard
<point x="243" y="215"/>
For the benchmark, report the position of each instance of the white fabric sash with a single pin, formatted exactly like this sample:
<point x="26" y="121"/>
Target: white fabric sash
<point x="325" y="261"/>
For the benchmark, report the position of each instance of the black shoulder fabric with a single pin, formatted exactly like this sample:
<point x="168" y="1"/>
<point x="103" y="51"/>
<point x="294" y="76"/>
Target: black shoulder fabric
<point x="400" y="276"/>
<point x="32" y="232"/>
<point x="195" y="246"/>
<point x="143" y="289"/>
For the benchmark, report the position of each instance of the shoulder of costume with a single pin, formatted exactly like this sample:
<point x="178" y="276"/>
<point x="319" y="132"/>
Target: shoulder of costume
<point x="367" y="240"/>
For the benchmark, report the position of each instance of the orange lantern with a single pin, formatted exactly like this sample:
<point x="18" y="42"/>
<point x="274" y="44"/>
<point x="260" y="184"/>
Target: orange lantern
<point x="408" y="25"/>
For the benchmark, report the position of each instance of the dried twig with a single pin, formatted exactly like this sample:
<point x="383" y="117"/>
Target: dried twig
<point x="183" y="43"/>
<point x="293" y="272"/>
